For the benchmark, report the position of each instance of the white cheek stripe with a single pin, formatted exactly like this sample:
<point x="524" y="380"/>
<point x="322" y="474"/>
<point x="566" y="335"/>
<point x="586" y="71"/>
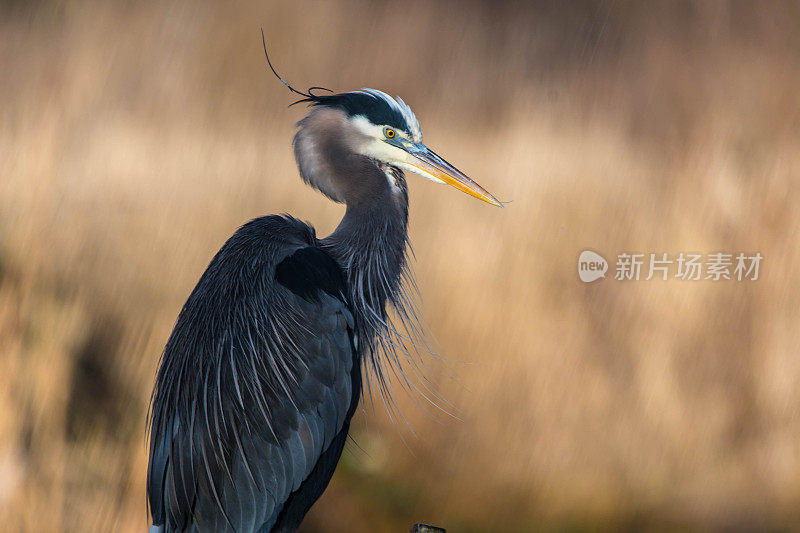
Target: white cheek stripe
<point x="366" y="127"/>
<point x="376" y="148"/>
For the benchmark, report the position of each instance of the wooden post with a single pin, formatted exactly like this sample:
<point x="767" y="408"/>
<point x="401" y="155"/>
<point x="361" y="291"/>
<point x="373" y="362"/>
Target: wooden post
<point x="425" y="528"/>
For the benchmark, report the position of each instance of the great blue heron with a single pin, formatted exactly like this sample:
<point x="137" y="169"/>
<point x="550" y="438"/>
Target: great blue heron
<point x="262" y="373"/>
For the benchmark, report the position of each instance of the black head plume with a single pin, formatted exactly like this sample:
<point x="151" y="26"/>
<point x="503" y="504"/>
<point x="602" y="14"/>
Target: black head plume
<point x="377" y="106"/>
<point x="308" y="96"/>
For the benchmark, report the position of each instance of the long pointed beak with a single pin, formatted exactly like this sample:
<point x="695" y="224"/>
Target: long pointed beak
<point x="428" y="164"/>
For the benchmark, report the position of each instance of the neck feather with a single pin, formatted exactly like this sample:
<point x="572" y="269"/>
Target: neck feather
<point x="371" y="241"/>
<point x="371" y="245"/>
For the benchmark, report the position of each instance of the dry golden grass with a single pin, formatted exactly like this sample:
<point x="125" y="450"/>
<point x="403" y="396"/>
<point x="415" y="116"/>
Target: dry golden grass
<point x="135" y="137"/>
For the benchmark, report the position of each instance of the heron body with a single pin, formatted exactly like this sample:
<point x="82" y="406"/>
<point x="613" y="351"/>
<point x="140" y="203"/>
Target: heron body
<point x="262" y="373"/>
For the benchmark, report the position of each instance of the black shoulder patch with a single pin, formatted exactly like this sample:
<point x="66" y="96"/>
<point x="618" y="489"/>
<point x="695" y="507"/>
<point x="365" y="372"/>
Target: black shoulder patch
<point x="310" y="270"/>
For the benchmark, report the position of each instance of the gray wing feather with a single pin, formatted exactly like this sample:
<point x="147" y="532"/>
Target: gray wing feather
<point x="263" y="418"/>
<point x="305" y="430"/>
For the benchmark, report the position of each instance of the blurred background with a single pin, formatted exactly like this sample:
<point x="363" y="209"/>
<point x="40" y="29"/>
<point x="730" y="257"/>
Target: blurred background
<point x="135" y="137"/>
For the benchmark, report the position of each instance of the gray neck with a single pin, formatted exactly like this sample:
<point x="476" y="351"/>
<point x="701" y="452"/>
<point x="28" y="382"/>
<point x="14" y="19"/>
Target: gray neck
<point x="370" y="245"/>
<point x="370" y="241"/>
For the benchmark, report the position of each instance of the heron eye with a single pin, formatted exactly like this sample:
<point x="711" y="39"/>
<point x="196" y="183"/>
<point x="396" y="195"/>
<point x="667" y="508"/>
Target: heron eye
<point x="389" y="133"/>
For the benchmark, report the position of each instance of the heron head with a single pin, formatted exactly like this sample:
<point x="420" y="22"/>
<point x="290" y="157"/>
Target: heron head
<point x="381" y="128"/>
<point x="387" y="131"/>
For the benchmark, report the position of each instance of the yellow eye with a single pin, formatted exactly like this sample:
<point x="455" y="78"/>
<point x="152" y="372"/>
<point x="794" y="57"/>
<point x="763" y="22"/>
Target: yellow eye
<point x="389" y="133"/>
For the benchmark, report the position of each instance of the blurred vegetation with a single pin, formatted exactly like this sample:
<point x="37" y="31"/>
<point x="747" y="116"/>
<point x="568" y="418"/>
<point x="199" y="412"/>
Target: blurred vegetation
<point x="136" y="136"/>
